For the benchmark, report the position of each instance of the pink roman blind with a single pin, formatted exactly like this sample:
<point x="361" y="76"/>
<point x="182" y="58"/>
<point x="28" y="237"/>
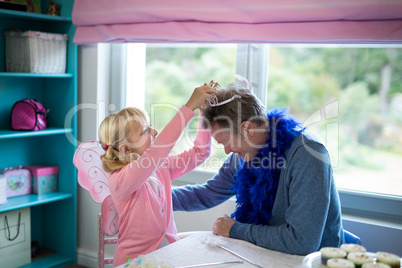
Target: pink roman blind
<point x="238" y="21"/>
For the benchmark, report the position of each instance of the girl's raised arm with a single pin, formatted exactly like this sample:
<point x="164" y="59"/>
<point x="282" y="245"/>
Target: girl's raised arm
<point x="126" y="181"/>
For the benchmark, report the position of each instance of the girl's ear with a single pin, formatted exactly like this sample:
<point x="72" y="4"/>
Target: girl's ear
<point x="123" y="148"/>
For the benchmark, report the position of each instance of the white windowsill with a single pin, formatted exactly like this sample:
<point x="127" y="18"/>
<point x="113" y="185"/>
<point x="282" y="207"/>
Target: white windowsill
<point x="362" y="205"/>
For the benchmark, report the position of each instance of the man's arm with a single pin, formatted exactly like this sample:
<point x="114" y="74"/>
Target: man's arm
<point x="212" y="193"/>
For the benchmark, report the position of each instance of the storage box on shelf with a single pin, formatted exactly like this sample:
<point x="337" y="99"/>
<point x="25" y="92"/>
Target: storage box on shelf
<point x="53" y="215"/>
<point x="44" y="178"/>
<point x="3" y="189"/>
<point x="18" y="181"/>
<point x="35" y="52"/>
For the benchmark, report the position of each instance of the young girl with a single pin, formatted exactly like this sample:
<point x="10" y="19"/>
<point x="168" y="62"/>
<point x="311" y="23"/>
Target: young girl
<point x="142" y="169"/>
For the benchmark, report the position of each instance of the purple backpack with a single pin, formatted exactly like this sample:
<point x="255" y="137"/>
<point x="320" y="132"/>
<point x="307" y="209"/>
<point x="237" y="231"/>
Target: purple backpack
<point x="28" y="115"/>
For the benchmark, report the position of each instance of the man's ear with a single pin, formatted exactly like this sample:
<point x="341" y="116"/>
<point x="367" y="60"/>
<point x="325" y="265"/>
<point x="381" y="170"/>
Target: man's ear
<point x="123" y="148"/>
<point x="247" y="127"/>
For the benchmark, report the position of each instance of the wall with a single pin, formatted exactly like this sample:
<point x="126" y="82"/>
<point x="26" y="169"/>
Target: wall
<point x="87" y="208"/>
<point x="375" y="235"/>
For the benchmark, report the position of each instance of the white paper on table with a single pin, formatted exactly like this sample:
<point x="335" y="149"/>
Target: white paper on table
<point x="194" y="250"/>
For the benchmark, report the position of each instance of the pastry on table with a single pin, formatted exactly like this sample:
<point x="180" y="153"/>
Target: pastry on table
<point x="375" y="265"/>
<point x="388" y="258"/>
<point x="353" y="248"/>
<point x="359" y="258"/>
<point x="331" y="253"/>
<point x="339" y="263"/>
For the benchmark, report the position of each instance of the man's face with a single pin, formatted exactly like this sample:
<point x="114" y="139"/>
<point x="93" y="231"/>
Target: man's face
<point x="241" y="145"/>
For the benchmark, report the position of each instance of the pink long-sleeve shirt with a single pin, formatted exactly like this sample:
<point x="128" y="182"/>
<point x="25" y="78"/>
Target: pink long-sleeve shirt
<point x="145" y="211"/>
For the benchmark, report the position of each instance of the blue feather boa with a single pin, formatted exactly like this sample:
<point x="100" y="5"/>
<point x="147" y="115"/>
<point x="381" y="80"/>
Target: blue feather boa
<point x="257" y="180"/>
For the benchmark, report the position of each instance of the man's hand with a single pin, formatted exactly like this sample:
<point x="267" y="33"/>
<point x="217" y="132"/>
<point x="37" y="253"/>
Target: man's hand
<point x="222" y="225"/>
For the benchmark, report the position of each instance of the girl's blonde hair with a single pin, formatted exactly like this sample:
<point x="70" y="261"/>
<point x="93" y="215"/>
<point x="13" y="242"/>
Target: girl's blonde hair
<point x="114" y="131"/>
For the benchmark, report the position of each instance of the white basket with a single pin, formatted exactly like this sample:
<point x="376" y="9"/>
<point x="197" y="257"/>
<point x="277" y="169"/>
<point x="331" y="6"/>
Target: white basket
<point x="35" y="52"/>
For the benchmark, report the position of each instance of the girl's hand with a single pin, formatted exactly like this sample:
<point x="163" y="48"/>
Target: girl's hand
<point x="200" y="96"/>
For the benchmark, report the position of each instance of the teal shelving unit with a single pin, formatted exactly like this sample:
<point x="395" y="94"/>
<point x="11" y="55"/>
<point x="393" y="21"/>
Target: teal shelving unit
<point x="53" y="215"/>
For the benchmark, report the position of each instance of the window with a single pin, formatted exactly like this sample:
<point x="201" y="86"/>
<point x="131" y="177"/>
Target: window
<point x="349" y="94"/>
<point x="352" y="96"/>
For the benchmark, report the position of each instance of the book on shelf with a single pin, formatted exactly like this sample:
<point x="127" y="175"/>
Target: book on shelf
<point x="13" y="6"/>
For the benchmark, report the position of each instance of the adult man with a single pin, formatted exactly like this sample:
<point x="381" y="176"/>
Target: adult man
<point x="280" y="173"/>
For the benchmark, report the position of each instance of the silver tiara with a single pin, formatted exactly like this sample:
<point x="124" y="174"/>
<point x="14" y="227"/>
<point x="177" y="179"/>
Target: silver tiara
<point x="213" y="102"/>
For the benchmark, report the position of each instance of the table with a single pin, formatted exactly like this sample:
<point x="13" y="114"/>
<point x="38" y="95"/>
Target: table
<point x="197" y="249"/>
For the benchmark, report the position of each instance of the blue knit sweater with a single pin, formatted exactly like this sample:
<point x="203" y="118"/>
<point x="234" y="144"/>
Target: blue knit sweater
<point x="306" y="214"/>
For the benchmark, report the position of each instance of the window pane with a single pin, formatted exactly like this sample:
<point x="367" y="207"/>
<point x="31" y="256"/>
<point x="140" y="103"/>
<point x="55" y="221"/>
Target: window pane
<point x="172" y="73"/>
<point x="352" y="97"/>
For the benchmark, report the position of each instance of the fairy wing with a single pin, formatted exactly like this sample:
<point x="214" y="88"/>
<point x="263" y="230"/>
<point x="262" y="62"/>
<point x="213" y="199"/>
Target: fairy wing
<point x="91" y="175"/>
<point x="110" y="217"/>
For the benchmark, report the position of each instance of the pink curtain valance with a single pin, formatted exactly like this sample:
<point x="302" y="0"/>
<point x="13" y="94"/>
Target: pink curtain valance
<point x="238" y="21"/>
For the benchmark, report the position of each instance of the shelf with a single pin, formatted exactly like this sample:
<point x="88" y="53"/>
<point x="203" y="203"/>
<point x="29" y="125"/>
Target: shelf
<point x="32" y="200"/>
<point x="36" y="75"/>
<point x="53" y="215"/>
<point x="11" y="134"/>
<point x="55" y="260"/>
<point x="5" y="13"/>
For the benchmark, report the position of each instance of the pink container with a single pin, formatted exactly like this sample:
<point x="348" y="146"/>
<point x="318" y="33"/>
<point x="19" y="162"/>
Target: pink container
<point x="44" y="178"/>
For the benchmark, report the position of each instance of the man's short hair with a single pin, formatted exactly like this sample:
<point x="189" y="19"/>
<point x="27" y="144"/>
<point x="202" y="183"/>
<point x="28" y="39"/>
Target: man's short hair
<point x="230" y="115"/>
